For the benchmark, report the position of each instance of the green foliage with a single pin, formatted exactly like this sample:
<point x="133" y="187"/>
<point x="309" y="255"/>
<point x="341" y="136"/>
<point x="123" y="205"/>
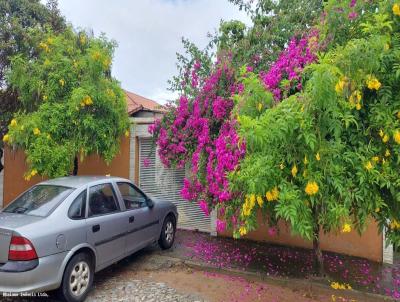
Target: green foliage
<point x="274" y="24"/>
<point x="332" y="151"/>
<point x="182" y="83"/>
<point x="255" y="99"/>
<point x="18" y="19"/>
<point x="74" y="106"/>
<point x="337" y="28"/>
<point x="230" y="34"/>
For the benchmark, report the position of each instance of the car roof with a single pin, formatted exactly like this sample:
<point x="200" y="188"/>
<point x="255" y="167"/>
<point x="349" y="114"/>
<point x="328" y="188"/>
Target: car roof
<point x="79" y="181"/>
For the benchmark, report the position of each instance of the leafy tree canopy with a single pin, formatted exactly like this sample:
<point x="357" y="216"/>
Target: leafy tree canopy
<point x="274" y="24"/>
<point x="313" y="137"/>
<point x="327" y="158"/>
<point x="17" y="18"/>
<point x="193" y="66"/>
<point x="79" y="108"/>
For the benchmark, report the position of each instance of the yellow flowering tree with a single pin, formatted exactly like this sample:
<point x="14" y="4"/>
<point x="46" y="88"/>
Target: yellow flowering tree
<point x="73" y="105"/>
<point x="327" y="159"/>
<point x="18" y="19"/>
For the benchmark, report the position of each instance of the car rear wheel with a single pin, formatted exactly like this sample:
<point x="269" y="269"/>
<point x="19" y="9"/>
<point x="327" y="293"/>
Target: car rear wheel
<point x="167" y="235"/>
<point x="77" y="279"/>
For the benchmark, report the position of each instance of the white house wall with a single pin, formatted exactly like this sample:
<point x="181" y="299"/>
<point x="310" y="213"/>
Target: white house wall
<point x="1" y="187"/>
<point x="132" y="153"/>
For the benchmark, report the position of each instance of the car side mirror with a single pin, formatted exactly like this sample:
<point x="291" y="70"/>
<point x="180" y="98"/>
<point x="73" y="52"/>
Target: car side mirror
<point x="150" y="203"/>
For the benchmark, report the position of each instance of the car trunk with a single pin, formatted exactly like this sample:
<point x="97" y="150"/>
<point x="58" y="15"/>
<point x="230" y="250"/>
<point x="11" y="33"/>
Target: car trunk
<point x="10" y="222"/>
<point x="5" y="237"/>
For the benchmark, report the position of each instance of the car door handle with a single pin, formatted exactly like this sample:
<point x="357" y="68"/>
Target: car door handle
<point x="96" y="228"/>
<point x="131" y="219"/>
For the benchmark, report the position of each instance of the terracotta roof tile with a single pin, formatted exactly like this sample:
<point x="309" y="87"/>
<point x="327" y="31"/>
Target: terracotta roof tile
<point x="137" y="103"/>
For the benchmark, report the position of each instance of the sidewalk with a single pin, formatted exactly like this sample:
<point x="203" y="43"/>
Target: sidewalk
<point x="284" y="263"/>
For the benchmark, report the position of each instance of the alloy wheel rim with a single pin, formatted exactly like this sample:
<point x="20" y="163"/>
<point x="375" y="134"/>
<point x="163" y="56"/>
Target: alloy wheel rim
<point x="79" y="279"/>
<point x="169" y="232"/>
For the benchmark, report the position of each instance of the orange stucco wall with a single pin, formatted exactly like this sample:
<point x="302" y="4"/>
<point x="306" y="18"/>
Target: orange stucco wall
<point x="369" y="245"/>
<point x="94" y="165"/>
<point x="15" y="167"/>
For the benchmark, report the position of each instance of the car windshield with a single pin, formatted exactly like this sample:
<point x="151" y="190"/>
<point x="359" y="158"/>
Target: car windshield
<point x="39" y="200"/>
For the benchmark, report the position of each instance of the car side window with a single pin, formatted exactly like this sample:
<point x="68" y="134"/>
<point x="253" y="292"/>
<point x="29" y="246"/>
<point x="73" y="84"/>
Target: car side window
<point x="133" y="198"/>
<point x="78" y="207"/>
<point x="102" y="200"/>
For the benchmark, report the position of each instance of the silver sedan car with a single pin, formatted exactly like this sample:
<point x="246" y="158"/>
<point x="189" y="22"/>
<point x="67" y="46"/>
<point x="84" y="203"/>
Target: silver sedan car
<point x="60" y="232"/>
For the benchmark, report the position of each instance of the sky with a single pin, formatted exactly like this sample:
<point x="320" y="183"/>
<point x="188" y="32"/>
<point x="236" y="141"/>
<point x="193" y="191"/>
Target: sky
<point x="148" y="33"/>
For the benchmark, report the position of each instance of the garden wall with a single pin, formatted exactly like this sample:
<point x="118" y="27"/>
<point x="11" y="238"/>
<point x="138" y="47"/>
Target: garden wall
<point x="369" y="245"/>
<point x="15" y="167"/>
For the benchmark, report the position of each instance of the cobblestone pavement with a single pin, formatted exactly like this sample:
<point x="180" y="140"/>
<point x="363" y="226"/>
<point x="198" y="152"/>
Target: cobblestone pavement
<point x="138" y="291"/>
<point x="126" y="290"/>
<point x="120" y="283"/>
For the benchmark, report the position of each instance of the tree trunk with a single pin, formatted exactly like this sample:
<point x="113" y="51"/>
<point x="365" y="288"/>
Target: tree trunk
<point x="318" y="259"/>
<point x="76" y="164"/>
<point x="1" y="157"/>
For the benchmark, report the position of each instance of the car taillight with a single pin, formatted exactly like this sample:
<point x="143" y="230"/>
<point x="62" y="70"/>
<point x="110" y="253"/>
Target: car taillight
<point x="21" y="249"/>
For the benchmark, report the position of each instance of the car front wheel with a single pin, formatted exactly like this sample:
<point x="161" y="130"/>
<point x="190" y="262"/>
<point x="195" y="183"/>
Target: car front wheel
<point x="167" y="235"/>
<point x="77" y="279"/>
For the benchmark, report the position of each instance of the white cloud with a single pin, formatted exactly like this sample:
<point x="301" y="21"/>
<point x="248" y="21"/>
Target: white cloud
<point x="163" y="95"/>
<point x="149" y="34"/>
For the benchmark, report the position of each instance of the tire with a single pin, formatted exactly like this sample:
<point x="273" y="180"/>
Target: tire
<point x="167" y="235"/>
<point x="84" y="274"/>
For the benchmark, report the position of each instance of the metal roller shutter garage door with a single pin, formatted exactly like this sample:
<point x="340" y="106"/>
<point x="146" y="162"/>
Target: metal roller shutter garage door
<point x="166" y="184"/>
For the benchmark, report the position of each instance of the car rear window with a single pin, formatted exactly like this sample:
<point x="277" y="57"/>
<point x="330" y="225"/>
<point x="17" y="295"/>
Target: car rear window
<point x="39" y="200"/>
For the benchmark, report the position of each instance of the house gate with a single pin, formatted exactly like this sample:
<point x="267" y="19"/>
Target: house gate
<point x="166" y="184"/>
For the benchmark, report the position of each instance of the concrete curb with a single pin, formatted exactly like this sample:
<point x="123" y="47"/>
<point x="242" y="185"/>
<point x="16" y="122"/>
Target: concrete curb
<point x="258" y="276"/>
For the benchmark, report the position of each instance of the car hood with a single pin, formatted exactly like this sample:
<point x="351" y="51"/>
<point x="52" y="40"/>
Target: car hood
<point x="12" y="221"/>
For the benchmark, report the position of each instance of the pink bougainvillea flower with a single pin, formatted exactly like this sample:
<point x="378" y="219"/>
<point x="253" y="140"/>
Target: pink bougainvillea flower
<point x="272" y="231"/>
<point x="190" y="189"/>
<point x="201" y="132"/>
<point x="221" y="107"/>
<point x="234" y="220"/>
<point x="146" y="162"/>
<point x="352" y="15"/>
<point x="204" y="207"/>
<point x="291" y="63"/>
<point x="221" y="225"/>
<point x="153" y="127"/>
